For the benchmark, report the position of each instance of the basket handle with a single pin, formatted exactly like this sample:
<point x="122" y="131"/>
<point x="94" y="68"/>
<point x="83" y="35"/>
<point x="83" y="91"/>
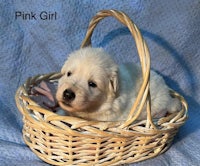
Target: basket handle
<point x="143" y="52"/>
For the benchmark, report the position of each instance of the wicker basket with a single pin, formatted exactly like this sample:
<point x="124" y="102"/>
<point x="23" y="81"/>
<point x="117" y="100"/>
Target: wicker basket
<point x="65" y="140"/>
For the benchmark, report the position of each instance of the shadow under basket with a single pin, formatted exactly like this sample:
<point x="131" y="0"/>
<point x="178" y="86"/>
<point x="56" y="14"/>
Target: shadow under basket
<point x="65" y="140"/>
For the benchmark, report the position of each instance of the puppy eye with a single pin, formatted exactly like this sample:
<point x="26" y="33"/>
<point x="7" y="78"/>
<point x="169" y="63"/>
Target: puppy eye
<point x="92" y="84"/>
<point x="69" y="73"/>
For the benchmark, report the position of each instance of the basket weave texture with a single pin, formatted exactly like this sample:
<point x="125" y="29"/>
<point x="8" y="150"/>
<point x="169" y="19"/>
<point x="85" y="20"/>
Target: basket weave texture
<point x="65" y="140"/>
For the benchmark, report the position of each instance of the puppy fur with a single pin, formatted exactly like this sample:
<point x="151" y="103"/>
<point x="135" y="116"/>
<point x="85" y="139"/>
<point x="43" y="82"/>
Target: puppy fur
<point x="104" y="91"/>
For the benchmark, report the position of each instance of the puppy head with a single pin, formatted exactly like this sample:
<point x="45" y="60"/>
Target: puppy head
<point x="89" y="79"/>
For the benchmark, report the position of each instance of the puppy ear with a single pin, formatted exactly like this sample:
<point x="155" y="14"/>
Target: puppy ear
<point x="114" y="83"/>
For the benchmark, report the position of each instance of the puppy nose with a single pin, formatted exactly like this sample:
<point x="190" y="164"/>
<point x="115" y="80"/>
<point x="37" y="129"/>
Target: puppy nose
<point x="69" y="95"/>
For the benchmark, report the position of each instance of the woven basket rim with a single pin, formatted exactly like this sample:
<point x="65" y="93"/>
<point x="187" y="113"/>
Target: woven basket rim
<point x="22" y="93"/>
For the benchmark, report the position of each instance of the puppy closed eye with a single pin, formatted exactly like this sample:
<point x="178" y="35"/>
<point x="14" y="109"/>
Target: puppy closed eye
<point x="92" y="84"/>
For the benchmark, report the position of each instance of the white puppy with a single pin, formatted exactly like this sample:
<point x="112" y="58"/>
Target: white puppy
<point x="93" y="87"/>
